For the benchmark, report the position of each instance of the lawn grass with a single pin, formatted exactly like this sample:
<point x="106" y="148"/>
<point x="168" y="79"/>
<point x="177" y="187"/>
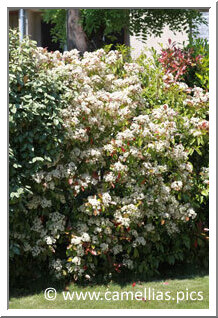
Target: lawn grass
<point x="157" y="288"/>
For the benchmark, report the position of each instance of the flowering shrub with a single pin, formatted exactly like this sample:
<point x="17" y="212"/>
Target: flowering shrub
<point x="190" y="63"/>
<point x="191" y="102"/>
<point x="109" y="182"/>
<point x="35" y="135"/>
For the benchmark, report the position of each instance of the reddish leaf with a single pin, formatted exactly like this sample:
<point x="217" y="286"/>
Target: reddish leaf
<point x="95" y="175"/>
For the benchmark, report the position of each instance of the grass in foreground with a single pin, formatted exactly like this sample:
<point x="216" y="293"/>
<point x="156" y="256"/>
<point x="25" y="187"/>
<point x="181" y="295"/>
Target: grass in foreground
<point x="158" y="290"/>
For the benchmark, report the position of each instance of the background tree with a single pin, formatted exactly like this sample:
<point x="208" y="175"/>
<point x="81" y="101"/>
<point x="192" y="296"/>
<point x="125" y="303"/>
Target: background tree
<point x="76" y="37"/>
<point x="103" y="26"/>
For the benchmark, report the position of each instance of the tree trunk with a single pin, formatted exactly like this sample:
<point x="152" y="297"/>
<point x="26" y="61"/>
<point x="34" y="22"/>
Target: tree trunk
<point x="76" y="37"/>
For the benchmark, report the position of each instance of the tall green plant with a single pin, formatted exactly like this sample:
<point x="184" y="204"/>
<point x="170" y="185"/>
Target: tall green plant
<point x="199" y="74"/>
<point x="35" y="134"/>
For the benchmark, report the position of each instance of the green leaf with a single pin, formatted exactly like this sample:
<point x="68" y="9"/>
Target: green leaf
<point x="135" y="253"/>
<point x="37" y="159"/>
<point x="205" y="192"/>
<point x="171" y="259"/>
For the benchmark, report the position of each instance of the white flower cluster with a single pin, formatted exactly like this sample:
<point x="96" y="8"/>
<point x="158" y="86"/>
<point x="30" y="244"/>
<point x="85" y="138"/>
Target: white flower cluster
<point x="205" y="175"/>
<point x="45" y="235"/>
<point x="123" y="166"/>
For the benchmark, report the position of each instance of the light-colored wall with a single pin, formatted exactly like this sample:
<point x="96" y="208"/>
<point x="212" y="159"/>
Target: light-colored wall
<point x="152" y="41"/>
<point x="179" y="37"/>
<point x="34" y="26"/>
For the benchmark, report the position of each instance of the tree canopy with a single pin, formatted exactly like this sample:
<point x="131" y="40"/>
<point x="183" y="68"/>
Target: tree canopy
<point x="101" y="23"/>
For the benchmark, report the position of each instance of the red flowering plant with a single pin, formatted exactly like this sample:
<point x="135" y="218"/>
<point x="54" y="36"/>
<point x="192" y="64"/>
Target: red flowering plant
<point x="176" y="60"/>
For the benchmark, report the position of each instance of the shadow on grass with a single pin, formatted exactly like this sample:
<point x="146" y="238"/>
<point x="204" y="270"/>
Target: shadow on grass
<point x="30" y="287"/>
<point x="38" y="285"/>
<point x="166" y="272"/>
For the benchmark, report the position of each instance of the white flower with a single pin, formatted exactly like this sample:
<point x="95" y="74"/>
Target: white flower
<point x="76" y="260"/>
<point x="106" y="198"/>
<point x="110" y="177"/>
<point x="50" y="240"/>
<point x="85" y="237"/>
<point x="94" y="202"/>
<point x="117" y="249"/>
<point x="177" y="185"/>
<point x="76" y="240"/>
<point x="191" y="213"/>
<point x="87" y="276"/>
<point x="118" y="166"/>
<point x="128" y="263"/>
<point x="104" y="247"/>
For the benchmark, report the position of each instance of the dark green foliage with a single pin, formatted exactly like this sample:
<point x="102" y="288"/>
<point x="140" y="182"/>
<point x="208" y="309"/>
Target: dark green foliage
<point x="99" y="23"/>
<point x="35" y="131"/>
<point x="57" y="17"/>
<point x="199" y="74"/>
